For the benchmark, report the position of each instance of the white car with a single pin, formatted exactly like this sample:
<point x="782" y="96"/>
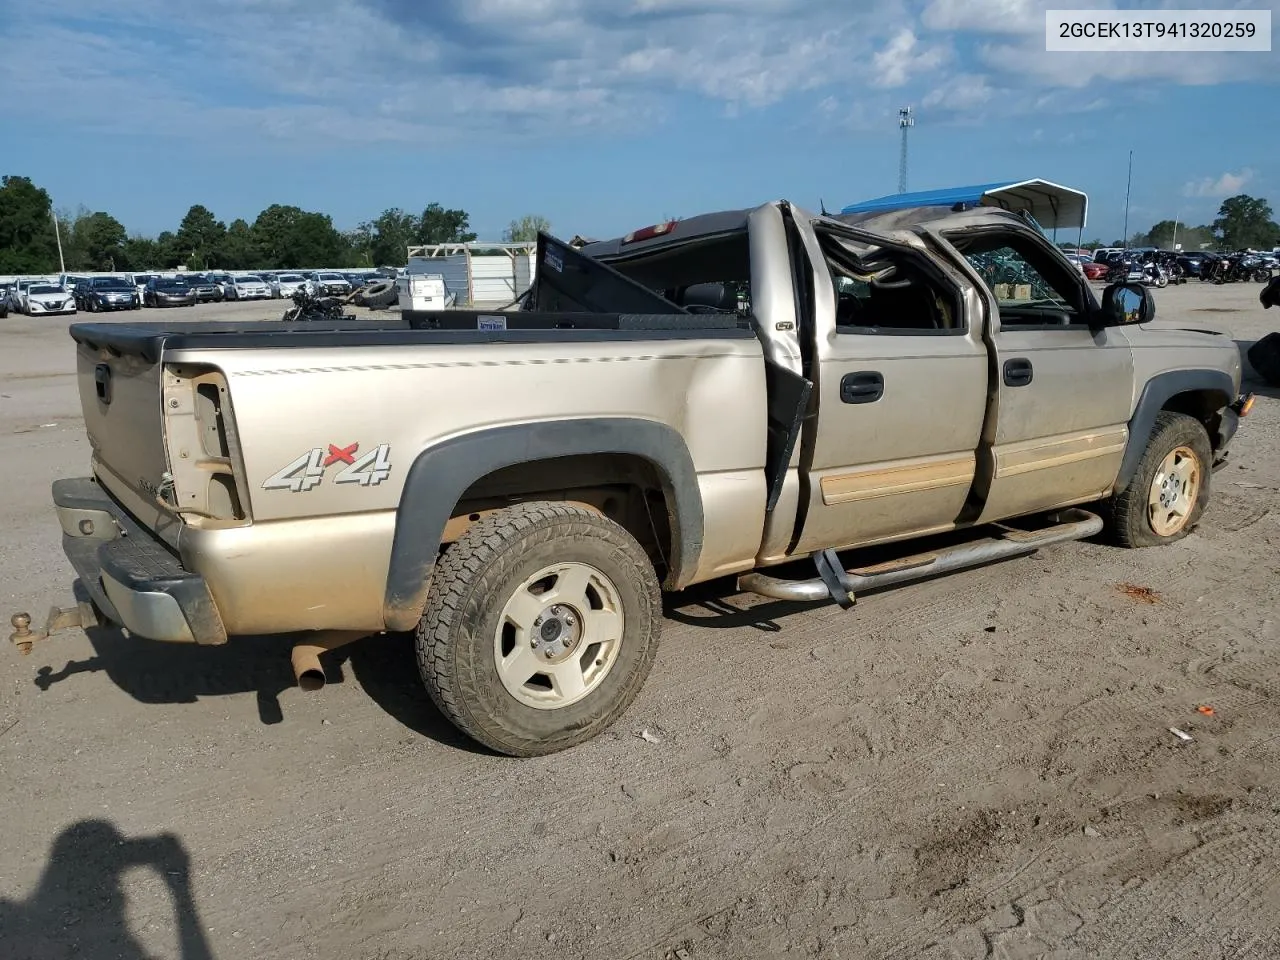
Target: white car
<point x="290" y="283"/>
<point x="333" y="284"/>
<point x="18" y="299"/>
<point x="43" y="298"/>
<point x="248" y="288"/>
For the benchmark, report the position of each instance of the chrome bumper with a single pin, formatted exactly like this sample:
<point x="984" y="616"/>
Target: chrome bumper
<point x="132" y="578"/>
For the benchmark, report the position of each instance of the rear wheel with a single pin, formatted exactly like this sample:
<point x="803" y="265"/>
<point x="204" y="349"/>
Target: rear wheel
<point x="1170" y="489"/>
<point x="541" y="626"/>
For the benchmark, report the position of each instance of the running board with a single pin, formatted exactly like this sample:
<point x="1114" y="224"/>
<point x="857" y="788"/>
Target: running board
<point x="835" y="583"/>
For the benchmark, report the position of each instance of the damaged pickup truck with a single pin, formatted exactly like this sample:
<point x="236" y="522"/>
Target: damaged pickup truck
<point x="719" y="396"/>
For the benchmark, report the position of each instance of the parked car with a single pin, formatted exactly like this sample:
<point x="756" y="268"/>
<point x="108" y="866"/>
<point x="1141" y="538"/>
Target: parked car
<point x="18" y="298"/>
<point x="49" y="298"/>
<point x="206" y="290"/>
<point x="224" y="280"/>
<point x="168" y="292"/>
<point x="290" y="283"/>
<point x="107" y="293"/>
<point x="5" y="290"/>
<point x="140" y="283"/>
<point x="272" y="280"/>
<point x="251" y="287"/>
<point x="526" y="534"/>
<point x="1095" y="271"/>
<point x="333" y="284"/>
<point x="1193" y="262"/>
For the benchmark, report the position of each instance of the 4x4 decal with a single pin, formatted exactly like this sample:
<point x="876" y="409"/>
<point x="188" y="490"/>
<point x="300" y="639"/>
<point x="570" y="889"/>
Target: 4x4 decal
<point x="308" y="471"/>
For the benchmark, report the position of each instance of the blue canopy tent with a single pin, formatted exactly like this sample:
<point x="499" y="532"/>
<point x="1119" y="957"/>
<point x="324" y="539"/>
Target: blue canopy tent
<point x="1049" y="204"/>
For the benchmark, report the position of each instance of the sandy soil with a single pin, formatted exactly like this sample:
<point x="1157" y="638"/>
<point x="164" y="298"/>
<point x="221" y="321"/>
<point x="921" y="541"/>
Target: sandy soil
<point x="979" y="766"/>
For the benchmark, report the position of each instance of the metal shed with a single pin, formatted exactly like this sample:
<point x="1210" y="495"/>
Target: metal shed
<point x="1051" y="204"/>
<point x="477" y="272"/>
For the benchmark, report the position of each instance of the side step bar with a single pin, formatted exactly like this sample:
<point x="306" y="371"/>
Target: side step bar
<point x="835" y="583"/>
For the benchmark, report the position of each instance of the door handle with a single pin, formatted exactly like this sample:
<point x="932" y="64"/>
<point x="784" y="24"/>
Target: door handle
<point x="1017" y="372"/>
<point x="865" y="386"/>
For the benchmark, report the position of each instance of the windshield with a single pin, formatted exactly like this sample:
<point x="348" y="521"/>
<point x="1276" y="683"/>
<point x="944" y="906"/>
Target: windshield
<point x="289" y="278"/>
<point x="172" y="284"/>
<point x="45" y="288"/>
<point x="329" y="276"/>
<point x="248" y="280"/>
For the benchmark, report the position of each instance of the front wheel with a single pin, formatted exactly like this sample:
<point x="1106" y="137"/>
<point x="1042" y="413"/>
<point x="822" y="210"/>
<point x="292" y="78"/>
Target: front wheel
<point x="1170" y="489"/>
<point x="541" y="626"/>
<point x="1261" y="276"/>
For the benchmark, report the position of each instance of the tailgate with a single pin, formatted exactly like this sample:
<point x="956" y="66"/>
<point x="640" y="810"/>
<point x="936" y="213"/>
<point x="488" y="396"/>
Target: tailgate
<point x="120" y="395"/>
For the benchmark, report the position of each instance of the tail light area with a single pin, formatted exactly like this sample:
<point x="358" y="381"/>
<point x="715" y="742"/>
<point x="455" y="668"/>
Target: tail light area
<point x="207" y="484"/>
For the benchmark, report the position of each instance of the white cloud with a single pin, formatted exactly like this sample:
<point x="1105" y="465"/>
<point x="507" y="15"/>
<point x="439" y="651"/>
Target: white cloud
<point x="363" y="71"/>
<point x="902" y="59"/>
<point x="1215" y="187"/>
<point x="964" y="91"/>
<point x="983" y="16"/>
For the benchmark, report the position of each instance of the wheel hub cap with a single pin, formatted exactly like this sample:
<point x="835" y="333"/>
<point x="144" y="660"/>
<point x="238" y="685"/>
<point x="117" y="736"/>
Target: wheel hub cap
<point x="558" y="635"/>
<point x="557" y="631"/>
<point x="1174" y="491"/>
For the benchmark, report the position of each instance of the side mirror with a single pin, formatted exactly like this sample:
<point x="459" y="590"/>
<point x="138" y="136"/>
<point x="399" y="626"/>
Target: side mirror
<point x="1270" y="295"/>
<point x="1127" y="303"/>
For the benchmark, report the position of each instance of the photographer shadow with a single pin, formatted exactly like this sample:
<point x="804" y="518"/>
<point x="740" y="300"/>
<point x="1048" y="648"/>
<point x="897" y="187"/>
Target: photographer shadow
<point x="78" y="907"/>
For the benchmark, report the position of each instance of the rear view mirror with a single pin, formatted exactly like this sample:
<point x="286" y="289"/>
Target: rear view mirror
<point x="1270" y="295"/>
<point x="1127" y="303"/>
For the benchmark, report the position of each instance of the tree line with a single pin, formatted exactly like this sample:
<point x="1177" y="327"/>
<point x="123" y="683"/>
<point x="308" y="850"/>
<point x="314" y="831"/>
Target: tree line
<point x="1243" y="222"/>
<point x="281" y="237"/>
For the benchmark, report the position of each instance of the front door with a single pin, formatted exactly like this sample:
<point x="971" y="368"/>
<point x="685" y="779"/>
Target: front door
<point x="1065" y="388"/>
<point x="902" y="382"/>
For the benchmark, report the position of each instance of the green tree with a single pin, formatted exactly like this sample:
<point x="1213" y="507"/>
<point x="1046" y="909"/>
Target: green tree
<point x="290" y="237"/>
<point x="1245" y="221"/>
<point x="98" y="239"/>
<point x="438" y="225"/>
<point x="168" y="254"/>
<point x="138" y="253"/>
<point x="526" y="229"/>
<point x="239" y="247"/>
<point x="200" y="236"/>
<point x="27" y="241"/>
<point x="390" y="234"/>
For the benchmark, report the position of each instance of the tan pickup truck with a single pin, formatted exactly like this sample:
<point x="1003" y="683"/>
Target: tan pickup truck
<point x="742" y="393"/>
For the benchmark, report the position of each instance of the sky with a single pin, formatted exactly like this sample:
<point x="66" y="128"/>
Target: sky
<point x="608" y="115"/>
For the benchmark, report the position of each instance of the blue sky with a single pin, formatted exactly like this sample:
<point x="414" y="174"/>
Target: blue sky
<point x="605" y="115"/>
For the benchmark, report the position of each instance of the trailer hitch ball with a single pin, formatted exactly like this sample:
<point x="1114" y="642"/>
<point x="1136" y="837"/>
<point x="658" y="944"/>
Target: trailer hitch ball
<point x="22" y="636"/>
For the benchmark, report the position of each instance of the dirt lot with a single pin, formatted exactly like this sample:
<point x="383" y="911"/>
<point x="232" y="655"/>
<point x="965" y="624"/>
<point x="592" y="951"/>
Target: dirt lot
<point x="978" y="766"/>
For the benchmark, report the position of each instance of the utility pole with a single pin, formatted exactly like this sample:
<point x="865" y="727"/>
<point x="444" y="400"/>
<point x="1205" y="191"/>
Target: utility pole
<point x="62" y="264"/>
<point x="1127" y="188"/>
<point x="905" y="122"/>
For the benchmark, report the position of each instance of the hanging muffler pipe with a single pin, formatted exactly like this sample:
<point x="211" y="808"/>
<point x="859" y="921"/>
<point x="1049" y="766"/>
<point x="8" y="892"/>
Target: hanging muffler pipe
<point x="306" y="655"/>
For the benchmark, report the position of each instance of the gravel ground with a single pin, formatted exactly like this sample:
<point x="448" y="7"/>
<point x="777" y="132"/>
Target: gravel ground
<point x="978" y="766"/>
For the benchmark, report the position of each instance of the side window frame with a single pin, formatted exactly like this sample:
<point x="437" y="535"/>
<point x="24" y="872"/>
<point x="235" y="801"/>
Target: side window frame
<point x="1073" y="288"/>
<point x="938" y="282"/>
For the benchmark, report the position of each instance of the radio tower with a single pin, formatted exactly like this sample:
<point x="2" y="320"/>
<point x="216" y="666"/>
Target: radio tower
<point x="905" y="121"/>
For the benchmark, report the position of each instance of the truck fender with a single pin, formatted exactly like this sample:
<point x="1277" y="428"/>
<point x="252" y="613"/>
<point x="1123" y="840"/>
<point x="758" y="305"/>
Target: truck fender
<point x="441" y="474"/>
<point x="1158" y="391"/>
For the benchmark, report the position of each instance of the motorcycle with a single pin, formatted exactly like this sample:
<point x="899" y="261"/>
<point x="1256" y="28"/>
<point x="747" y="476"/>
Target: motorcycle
<point x="1154" y="275"/>
<point x="307" y="306"/>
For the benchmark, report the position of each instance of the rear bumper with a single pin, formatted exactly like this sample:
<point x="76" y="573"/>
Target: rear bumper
<point x="133" y="578"/>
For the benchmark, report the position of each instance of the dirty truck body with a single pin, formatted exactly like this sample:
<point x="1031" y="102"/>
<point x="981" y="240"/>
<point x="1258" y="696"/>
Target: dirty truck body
<point x="716" y="397"/>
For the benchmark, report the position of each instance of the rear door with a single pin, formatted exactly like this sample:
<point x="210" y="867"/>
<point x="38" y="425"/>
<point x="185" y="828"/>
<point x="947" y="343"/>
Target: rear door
<point x="1064" y="388"/>
<point x="902" y="384"/>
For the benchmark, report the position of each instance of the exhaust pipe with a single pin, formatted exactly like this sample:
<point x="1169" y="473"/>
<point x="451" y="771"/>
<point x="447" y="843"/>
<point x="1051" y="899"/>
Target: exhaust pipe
<point x="305" y="657"/>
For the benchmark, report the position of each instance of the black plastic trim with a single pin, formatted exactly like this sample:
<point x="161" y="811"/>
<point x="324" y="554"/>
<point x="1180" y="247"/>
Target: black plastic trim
<point x="441" y="474"/>
<point x="149" y="340"/>
<point x="1159" y="390"/>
